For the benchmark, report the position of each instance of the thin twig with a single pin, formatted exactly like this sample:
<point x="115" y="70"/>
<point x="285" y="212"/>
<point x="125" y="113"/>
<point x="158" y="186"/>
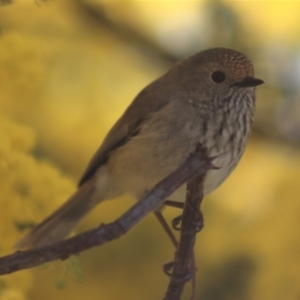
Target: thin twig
<point x="184" y="267"/>
<point x="100" y="17"/>
<point x="194" y="165"/>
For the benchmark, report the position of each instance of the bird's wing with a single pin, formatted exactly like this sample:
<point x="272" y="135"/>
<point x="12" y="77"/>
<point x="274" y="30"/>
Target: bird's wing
<point x="127" y="126"/>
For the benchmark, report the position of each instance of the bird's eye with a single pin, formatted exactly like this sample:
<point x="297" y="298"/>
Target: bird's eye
<point x="218" y="76"/>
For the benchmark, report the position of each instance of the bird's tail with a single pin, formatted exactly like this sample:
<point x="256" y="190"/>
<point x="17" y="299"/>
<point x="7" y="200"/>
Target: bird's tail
<point x="60" y="223"/>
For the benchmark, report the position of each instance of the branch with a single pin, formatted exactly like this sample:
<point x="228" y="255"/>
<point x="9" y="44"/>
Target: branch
<point x="196" y="164"/>
<point x="191" y="222"/>
<point x="99" y="16"/>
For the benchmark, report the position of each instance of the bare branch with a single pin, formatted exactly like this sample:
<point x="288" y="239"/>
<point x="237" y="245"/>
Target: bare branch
<point x="196" y="164"/>
<point x="98" y="16"/>
<point x="184" y="267"/>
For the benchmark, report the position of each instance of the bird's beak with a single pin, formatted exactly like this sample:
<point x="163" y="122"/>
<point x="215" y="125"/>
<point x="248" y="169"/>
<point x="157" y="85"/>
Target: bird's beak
<point x="248" y="82"/>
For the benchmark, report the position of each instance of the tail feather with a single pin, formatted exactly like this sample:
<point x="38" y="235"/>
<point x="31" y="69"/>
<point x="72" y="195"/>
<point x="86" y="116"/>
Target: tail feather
<point x="60" y="223"/>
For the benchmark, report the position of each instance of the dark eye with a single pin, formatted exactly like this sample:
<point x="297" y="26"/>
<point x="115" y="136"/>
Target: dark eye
<point x="218" y="77"/>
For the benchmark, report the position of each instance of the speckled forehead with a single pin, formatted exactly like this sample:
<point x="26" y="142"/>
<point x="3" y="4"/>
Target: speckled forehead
<point x="238" y="64"/>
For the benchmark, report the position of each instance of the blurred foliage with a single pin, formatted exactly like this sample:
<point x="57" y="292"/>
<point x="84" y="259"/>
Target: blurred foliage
<point x="68" y="69"/>
<point x="27" y="186"/>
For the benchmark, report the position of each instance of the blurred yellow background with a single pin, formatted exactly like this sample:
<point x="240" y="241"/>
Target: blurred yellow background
<point x="68" y="69"/>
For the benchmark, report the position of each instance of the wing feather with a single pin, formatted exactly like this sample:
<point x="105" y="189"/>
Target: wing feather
<point x="129" y="124"/>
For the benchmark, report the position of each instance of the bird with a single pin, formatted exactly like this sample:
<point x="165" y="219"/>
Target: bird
<point x="207" y="99"/>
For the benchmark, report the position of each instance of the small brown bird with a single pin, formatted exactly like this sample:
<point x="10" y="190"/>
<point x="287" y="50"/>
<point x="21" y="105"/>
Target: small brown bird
<point x="207" y="98"/>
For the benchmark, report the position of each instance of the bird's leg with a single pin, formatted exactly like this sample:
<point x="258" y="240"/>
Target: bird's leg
<point x="176" y="221"/>
<point x="175" y="204"/>
<point x="168" y="266"/>
<point x="166" y="227"/>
